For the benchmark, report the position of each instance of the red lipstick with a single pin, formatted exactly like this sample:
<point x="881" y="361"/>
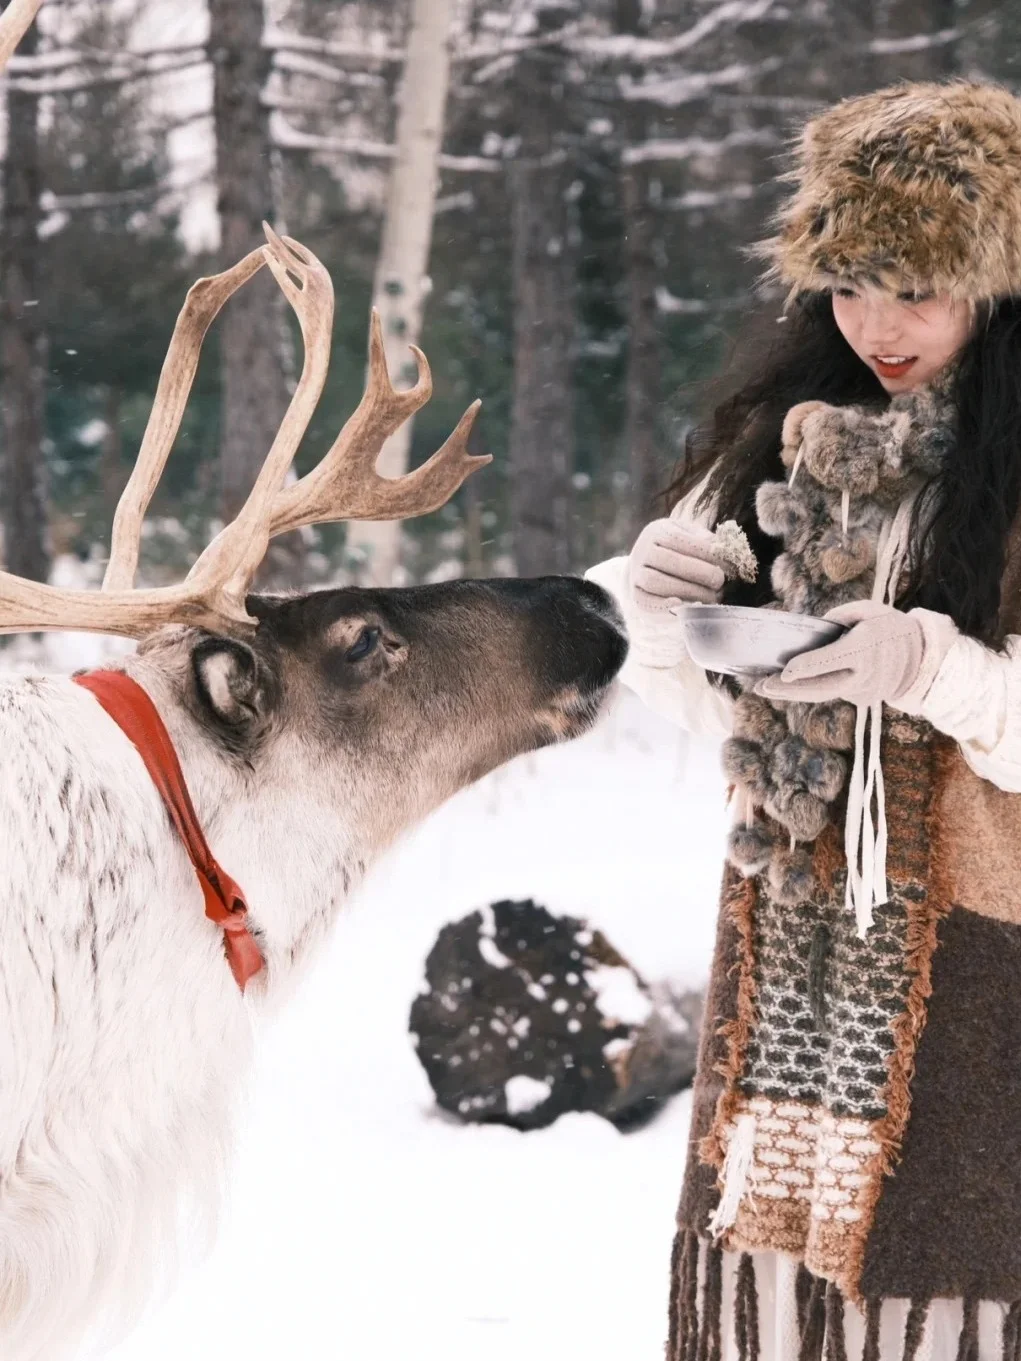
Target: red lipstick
<point x="887" y="370"/>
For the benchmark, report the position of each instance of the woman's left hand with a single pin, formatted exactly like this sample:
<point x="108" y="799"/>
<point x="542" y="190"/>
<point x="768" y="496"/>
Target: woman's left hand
<point x="878" y="659"/>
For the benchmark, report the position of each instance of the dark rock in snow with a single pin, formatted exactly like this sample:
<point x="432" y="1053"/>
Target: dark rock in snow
<point x="525" y="1016"/>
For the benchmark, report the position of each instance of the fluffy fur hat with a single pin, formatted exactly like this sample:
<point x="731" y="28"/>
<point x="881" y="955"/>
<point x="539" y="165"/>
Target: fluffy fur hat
<point x="917" y="185"/>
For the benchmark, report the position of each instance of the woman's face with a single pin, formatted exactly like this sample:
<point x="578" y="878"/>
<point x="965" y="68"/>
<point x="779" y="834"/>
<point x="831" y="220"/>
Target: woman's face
<point x="904" y="338"/>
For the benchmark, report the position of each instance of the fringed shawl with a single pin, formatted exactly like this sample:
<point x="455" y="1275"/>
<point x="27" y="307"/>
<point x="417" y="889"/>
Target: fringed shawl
<point x="866" y="1093"/>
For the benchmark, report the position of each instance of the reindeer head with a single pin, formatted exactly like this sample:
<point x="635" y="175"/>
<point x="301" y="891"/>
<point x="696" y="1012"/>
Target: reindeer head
<point x="382" y="702"/>
<point x="386" y="702"/>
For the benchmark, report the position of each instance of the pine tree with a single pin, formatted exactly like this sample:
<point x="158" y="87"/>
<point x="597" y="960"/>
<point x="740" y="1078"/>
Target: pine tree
<point x="115" y="272"/>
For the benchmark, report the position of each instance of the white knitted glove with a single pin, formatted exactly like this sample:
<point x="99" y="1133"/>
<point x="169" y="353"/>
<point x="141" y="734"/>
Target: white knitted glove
<point x="879" y="658"/>
<point x="674" y="562"/>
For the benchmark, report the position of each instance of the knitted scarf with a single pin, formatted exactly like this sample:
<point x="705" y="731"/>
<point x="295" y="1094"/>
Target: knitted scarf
<point x="851" y="470"/>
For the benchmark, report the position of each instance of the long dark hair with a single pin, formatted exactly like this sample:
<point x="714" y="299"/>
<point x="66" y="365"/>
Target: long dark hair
<point x="958" y="561"/>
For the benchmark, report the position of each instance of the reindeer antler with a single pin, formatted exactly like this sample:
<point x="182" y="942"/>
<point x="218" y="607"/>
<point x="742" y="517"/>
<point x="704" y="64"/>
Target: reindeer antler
<point x="15" y="22"/>
<point x="344" y="485"/>
<point x="201" y="306"/>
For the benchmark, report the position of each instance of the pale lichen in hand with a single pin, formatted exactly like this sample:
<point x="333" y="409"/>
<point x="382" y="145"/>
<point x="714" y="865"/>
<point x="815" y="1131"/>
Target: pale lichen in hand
<point x="735" y="552"/>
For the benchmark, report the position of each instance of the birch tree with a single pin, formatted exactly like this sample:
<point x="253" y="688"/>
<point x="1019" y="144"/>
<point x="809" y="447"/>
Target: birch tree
<point x="400" y="285"/>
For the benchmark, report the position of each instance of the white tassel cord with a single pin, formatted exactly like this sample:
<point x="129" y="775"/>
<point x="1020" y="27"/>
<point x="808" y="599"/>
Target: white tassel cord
<point x="857" y="826"/>
<point x="865" y="842"/>
<point x="788" y="1333"/>
<point x="797" y="464"/>
<point x="737" y="1166"/>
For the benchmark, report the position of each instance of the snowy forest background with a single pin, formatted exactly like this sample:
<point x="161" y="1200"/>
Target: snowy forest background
<point x="603" y="164"/>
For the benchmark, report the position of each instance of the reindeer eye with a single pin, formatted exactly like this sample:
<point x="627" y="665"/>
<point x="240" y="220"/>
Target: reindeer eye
<point x="366" y="642"/>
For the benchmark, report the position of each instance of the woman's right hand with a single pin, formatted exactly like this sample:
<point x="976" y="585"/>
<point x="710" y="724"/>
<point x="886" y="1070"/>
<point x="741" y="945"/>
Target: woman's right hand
<point x="673" y="562"/>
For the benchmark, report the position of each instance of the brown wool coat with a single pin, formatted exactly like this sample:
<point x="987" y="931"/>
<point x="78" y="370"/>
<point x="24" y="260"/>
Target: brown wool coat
<point x="934" y="1209"/>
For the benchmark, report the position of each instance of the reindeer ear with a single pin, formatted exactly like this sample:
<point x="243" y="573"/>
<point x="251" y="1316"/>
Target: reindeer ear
<point x="227" y="678"/>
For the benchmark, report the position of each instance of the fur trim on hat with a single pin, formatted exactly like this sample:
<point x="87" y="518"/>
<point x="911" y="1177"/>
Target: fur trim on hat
<point x="915" y="186"/>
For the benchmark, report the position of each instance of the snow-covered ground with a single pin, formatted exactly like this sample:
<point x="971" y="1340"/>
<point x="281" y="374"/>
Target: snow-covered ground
<point x="366" y="1226"/>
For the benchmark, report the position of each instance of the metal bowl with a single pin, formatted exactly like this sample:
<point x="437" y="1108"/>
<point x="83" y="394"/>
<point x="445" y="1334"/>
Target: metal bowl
<point x="741" y="640"/>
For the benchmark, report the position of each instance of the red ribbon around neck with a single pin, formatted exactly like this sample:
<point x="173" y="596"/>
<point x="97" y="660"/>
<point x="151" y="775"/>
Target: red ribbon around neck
<point x="135" y="714"/>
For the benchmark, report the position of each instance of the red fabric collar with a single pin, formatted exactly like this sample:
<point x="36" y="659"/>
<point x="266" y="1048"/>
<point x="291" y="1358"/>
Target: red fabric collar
<point x="135" y="714"/>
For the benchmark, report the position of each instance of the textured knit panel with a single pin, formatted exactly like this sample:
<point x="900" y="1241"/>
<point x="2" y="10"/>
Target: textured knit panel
<point x="821" y="1043"/>
<point x="833" y="1048"/>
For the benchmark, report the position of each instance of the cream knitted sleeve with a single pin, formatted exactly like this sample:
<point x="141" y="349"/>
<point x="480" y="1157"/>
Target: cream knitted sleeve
<point x="658" y="667"/>
<point x="973" y="696"/>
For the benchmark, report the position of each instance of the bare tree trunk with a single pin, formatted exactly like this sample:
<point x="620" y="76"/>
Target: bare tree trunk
<point x="542" y="412"/>
<point x="643" y="382"/>
<point x="399" y="288"/>
<point x="22" y="343"/>
<point x="254" y="388"/>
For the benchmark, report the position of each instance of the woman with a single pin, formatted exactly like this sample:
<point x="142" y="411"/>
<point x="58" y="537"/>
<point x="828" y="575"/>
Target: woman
<point x="853" y="1186"/>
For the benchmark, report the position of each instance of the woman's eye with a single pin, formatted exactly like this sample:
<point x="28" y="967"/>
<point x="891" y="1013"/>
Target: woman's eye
<point x="845" y="293"/>
<point x="914" y="298"/>
<point x="364" y="644"/>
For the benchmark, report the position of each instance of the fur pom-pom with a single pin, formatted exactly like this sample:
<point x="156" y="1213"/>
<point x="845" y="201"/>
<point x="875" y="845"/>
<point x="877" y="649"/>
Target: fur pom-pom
<point x="825" y="773"/>
<point x="785" y="765"/>
<point x="749" y="849"/>
<point x="806" y="592"/>
<point x="846" y="559"/>
<point x="790" y="434"/>
<point x="782" y="514"/>
<point x="796" y="767"/>
<point x="755" y="720"/>
<point x="801" y="813"/>
<point x="806" y="815"/>
<point x="791" y="878"/>
<point x="842" y="447"/>
<point x="829" y="725"/>
<point x="745" y="764"/>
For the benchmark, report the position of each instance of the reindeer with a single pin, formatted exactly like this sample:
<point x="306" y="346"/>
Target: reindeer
<point x="308" y="731"/>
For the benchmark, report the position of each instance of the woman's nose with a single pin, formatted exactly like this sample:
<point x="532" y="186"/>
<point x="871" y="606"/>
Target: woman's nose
<point x="881" y="327"/>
